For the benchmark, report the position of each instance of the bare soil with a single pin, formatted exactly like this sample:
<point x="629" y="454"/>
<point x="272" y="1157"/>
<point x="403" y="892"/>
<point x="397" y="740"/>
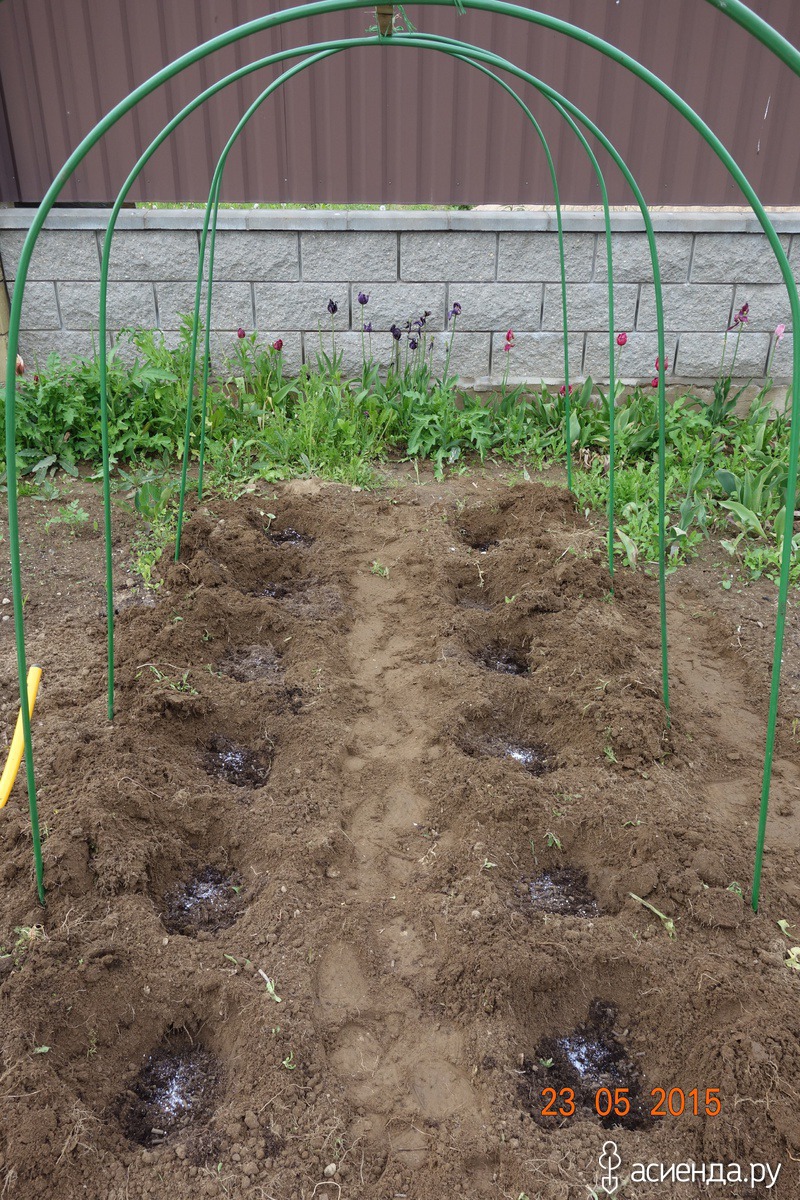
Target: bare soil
<point x="347" y="884"/>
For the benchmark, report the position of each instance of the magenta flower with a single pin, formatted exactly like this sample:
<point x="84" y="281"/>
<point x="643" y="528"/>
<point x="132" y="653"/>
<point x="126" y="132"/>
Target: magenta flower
<point x="278" y="345"/>
<point x="622" y="339"/>
<point x="240" y="333"/>
<point x="509" y="343"/>
<point x="780" y="330"/>
<point x="654" y="383"/>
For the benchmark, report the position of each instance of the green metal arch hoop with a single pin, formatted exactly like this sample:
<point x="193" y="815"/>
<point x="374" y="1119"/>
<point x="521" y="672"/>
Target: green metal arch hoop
<point x="733" y="9"/>
<point x="449" y="45"/>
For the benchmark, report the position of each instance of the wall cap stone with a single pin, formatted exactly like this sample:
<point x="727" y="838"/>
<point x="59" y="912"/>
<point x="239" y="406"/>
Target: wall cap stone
<point x="623" y="220"/>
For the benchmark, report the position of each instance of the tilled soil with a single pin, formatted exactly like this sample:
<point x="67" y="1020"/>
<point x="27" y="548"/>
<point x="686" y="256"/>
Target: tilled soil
<point x="346" y="891"/>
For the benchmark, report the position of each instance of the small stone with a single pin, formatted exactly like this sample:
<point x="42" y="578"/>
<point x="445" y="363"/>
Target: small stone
<point x="332" y="872"/>
<point x="251" y="1120"/>
<point x="6" y="600"/>
<point x="475" y="914"/>
<point x="330" y="1171"/>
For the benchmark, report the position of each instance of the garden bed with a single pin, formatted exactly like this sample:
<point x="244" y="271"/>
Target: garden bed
<point x="349" y="883"/>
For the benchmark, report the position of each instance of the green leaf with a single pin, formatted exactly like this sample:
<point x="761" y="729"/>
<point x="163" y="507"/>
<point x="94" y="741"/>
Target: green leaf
<point x="631" y="553"/>
<point x="728" y="482"/>
<point x="747" y="518"/>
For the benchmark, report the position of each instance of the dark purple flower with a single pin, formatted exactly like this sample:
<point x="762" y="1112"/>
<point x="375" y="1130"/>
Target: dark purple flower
<point x="741" y="318"/>
<point x="368" y="327"/>
<point x="455" y="311"/>
<point x="363" y="298"/>
<point x="396" y="332"/>
<point x="333" y="307"/>
<point x="412" y="343"/>
<point x="240" y="333"/>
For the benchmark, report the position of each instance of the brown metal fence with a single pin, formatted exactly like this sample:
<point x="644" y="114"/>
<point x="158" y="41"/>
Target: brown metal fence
<point x="392" y="126"/>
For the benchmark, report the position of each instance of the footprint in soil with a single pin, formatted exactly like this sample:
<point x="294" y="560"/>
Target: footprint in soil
<point x="175" y="1090"/>
<point x="236" y="764"/>
<point x="210" y="900"/>
<point x="564" y="892"/>
<point x="588" y="1059"/>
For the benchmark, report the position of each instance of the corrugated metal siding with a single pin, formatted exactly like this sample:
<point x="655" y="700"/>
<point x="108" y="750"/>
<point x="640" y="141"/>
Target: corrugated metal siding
<point x="384" y="125"/>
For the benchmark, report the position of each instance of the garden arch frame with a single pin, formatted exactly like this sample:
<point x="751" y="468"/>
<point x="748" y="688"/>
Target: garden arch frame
<point x="733" y="9"/>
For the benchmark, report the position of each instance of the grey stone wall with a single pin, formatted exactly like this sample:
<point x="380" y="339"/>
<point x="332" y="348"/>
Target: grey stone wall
<point x="275" y="272"/>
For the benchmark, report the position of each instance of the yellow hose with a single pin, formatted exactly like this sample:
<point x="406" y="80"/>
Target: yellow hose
<point x="18" y="741"/>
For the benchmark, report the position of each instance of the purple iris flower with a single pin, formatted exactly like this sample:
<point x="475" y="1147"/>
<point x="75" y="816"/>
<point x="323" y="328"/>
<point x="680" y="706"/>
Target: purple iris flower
<point x="368" y="327"/>
<point x="396" y="332"/>
<point x="363" y="298"/>
<point x="333" y="307"/>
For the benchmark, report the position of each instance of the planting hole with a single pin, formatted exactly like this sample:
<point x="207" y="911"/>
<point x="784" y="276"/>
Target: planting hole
<point x="251" y="663"/>
<point x="175" y="1090"/>
<point x="210" y="900"/>
<point x="236" y="764"/>
<point x="587" y="1060"/>
<point x="564" y="892"/>
<point x="289" y="537"/>
<point x="275" y="591"/>
<point x="507" y="660"/>
<point x="532" y="758"/>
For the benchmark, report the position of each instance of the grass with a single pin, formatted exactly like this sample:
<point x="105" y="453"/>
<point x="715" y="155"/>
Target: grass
<point x="725" y="474"/>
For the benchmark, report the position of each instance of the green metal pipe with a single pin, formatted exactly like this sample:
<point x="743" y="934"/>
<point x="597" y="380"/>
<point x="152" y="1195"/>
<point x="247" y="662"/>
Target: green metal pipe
<point x="214" y="199"/>
<point x="732" y="8"/>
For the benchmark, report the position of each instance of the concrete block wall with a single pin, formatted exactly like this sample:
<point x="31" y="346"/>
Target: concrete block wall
<point x="275" y="272"/>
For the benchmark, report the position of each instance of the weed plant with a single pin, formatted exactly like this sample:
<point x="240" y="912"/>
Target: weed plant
<point x="724" y="473"/>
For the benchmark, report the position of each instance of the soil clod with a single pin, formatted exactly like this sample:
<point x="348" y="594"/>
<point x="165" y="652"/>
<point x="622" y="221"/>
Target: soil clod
<point x="175" y="1090"/>
<point x="588" y="1059"/>
<point x="236" y="764"/>
<point x="210" y="900"/>
<point x="564" y="892"/>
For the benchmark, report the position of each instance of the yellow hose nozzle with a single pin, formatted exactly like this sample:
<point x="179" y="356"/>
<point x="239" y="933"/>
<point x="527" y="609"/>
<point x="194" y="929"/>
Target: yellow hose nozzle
<point x="18" y="741"/>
